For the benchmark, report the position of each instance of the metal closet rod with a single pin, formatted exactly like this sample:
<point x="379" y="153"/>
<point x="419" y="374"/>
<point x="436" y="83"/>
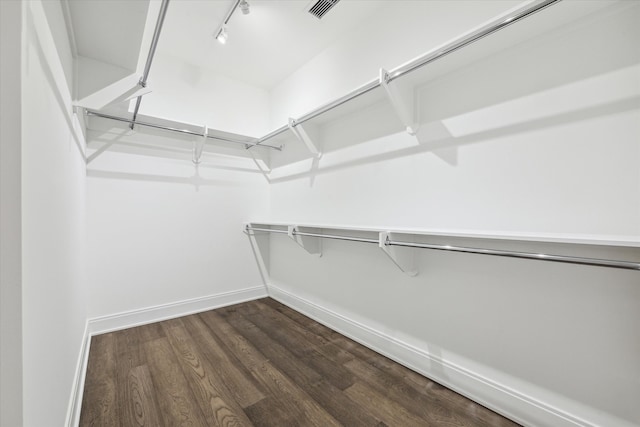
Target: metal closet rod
<point x="627" y="265"/>
<point x="152" y="52"/>
<point x="172" y="129"/>
<point x="401" y="71"/>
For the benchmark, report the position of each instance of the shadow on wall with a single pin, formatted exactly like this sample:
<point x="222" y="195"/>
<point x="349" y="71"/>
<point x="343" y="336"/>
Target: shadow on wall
<point x="445" y="147"/>
<point x="581" y="71"/>
<point x="196" y="180"/>
<point x="157" y="144"/>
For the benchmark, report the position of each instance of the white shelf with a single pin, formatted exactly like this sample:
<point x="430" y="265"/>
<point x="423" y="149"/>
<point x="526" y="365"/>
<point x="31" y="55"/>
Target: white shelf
<point x="578" y="239"/>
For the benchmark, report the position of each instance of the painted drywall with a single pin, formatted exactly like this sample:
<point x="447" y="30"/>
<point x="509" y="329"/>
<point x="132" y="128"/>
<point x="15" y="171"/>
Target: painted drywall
<point x="204" y="98"/>
<point x="163" y="231"/>
<point x="10" y="216"/>
<point x="508" y="144"/>
<point x="53" y="225"/>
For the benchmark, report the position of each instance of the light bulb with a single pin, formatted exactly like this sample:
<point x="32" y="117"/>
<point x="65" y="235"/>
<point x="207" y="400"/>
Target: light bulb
<point x="222" y="35"/>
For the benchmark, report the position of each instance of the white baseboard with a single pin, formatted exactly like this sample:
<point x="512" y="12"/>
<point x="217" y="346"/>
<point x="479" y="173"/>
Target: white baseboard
<point x="75" y="403"/>
<point x="158" y="313"/>
<point x="129" y="319"/>
<point x="504" y="400"/>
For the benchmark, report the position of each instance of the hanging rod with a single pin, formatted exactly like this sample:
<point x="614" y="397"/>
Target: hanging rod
<point x="488" y="29"/>
<point x="152" y="52"/>
<point x="172" y="129"/>
<point x="480" y="251"/>
<point x="479" y="34"/>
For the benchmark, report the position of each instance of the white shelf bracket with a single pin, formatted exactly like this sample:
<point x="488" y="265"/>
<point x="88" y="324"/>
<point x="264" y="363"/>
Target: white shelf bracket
<point x="300" y="133"/>
<point x="404" y="258"/>
<point x="198" y="146"/>
<point x="260" y="164"/>
<point x="313" y="245"/>
<point x="403" y="105"/>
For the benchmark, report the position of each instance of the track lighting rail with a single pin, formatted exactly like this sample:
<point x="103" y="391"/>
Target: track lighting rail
<point x="387" y="241"/>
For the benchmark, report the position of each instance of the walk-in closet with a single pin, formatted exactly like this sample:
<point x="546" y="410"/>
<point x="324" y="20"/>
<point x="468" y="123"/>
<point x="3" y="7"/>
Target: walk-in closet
<point x="320" y="213"/>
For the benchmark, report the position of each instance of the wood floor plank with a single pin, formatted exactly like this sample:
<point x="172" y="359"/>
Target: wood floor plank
<point x="439" y="395"/>
<point x="319" y="342"/>
<point x="331" y="398"/>
<point x="235" y="377"/>
<point x="270" y="412"/>
<point x="135" y="389"/>
<point x="389" y="411"/>
<point x="395" y="389"/>
<point x="270" y="377"/>
<point x="176" y="400"/>
<point x="139" y="404"/>
<point x="216" y="402"/>
<point x="297" y="344"/>
<point x="100" y="400"/>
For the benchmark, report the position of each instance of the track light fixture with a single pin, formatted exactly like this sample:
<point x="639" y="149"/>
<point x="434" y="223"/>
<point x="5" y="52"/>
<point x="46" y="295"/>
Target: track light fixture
<point x="244" y="7"/>
<point x="221" y="35"/>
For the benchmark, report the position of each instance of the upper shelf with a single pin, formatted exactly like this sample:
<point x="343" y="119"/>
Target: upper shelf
<point x="577" y="239"/>
<point x="397" y="100"/>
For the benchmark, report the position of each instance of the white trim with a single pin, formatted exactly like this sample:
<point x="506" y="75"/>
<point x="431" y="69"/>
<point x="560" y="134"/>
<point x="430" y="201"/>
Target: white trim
<point x="77" y="389"/>
<point x="505" y="400"/>
<point x="160" y="312"/>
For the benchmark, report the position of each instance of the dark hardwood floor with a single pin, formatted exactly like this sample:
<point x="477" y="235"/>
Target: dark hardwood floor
<point x="259" y="363"/>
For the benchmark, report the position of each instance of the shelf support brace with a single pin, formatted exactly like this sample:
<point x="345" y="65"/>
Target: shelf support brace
<point x="402" y="105"/>
<point x="260" y="164"/>
<point x="300" y="133"/>
<point x="403" y="258"/>
<point x="313" y="245"/>
<point x="198" y="146"/>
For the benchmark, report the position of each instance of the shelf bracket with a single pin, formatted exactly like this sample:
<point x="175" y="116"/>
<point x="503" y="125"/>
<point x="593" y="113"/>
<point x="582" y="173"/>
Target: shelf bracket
<point x="260" y="247"/>
<point x="198" y="146"/>
<point x="403" y="105"/>
<point x="261" y="164"/>
<point x="313" y="245"/>
<point x="403" y="258"/>
<point x="300" y="133"/>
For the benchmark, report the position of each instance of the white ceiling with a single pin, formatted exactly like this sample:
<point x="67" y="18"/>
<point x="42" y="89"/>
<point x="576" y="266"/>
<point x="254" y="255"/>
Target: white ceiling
<point x="109" y="31"/>
<point x="264" y="47"/>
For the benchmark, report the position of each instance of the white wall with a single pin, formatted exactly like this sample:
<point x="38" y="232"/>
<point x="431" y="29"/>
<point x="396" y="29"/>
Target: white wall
<point x="162" y="232"/>
<point x="541" y="139"/>
<point x="53" y="225"/>
<point x="10" y="218"/>
<point x="204" y="97"/>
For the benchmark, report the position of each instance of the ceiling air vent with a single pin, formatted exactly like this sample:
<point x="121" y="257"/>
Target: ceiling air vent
<point x="321" y="7"/>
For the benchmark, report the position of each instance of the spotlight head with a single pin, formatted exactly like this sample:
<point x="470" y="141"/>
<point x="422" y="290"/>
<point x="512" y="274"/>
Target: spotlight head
<point x="244" y="7"/>
<point x="222" y="35"/>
